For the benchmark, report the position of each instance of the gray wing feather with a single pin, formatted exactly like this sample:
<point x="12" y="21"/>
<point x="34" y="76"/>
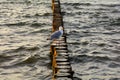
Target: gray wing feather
<point x="56" y="35"/>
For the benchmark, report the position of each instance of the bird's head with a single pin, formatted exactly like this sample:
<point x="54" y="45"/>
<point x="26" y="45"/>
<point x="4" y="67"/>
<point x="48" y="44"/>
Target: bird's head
<point x="60" y="28"/>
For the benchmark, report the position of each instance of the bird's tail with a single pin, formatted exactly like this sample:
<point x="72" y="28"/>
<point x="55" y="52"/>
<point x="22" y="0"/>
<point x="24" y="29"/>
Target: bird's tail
<point x="48" y="38"/>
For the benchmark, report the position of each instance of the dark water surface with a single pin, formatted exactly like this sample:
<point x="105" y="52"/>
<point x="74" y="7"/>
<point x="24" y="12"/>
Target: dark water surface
<point x="93" y="28"/>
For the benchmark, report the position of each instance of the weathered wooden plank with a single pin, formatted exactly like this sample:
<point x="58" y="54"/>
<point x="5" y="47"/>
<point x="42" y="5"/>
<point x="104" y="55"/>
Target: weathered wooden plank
<point x="62" y="69"/>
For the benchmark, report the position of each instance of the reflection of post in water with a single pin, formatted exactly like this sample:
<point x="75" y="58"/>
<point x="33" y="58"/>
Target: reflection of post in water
<point x="60" y="59"/>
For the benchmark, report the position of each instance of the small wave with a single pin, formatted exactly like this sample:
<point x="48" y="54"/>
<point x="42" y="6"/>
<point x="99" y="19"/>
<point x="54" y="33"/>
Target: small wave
<point x="114" y="51"/>
<point x="36" y="15"/>
<point x="86" y="58"/>
<point x="115" y="22"/>
<point x="116" y="11"/>
<point x="114" y="65"/>
<point x="93" y="67"/>
<point x="29" y="60"/>
<point x="4" y="58"/>
<point x="28" y="16"/>
<point x="110" y="5"/>
<point x="96" y="52"/>
<point x="8" y="2"/>
<point x="115" y="79"/>
<point x="34" y="59"/>
<point x="117" y="59"/>
<point x="77" y="4"/>
<point x="47" y="14"/>
<point x="96" y="79"/>
<point x="37" y="24"/>
<point x="101" y="44"/>
<point x="115" y="41"/>
<point x="23" y="48"/>
<point x="27" y="48"/>
<point x="76" y="78"/>
<point x="14" y="61"/>
<point x="82" y="51"/>
<point x="40" y="31"/>
<point x="16" y="24"/>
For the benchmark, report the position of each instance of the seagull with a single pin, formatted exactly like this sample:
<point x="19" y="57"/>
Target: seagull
<point x="56" y="34"/>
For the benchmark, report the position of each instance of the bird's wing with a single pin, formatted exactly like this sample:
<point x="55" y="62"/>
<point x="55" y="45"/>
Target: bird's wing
<point x="56" y="35"/>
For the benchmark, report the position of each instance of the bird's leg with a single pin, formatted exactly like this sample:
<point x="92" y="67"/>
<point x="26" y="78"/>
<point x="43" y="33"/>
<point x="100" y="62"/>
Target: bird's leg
<point x="59" y="42"/>
<point x="56" y="42"/>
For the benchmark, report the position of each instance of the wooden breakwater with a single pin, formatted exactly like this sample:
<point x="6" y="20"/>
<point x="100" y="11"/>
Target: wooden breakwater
<point x="61" y="67"/>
